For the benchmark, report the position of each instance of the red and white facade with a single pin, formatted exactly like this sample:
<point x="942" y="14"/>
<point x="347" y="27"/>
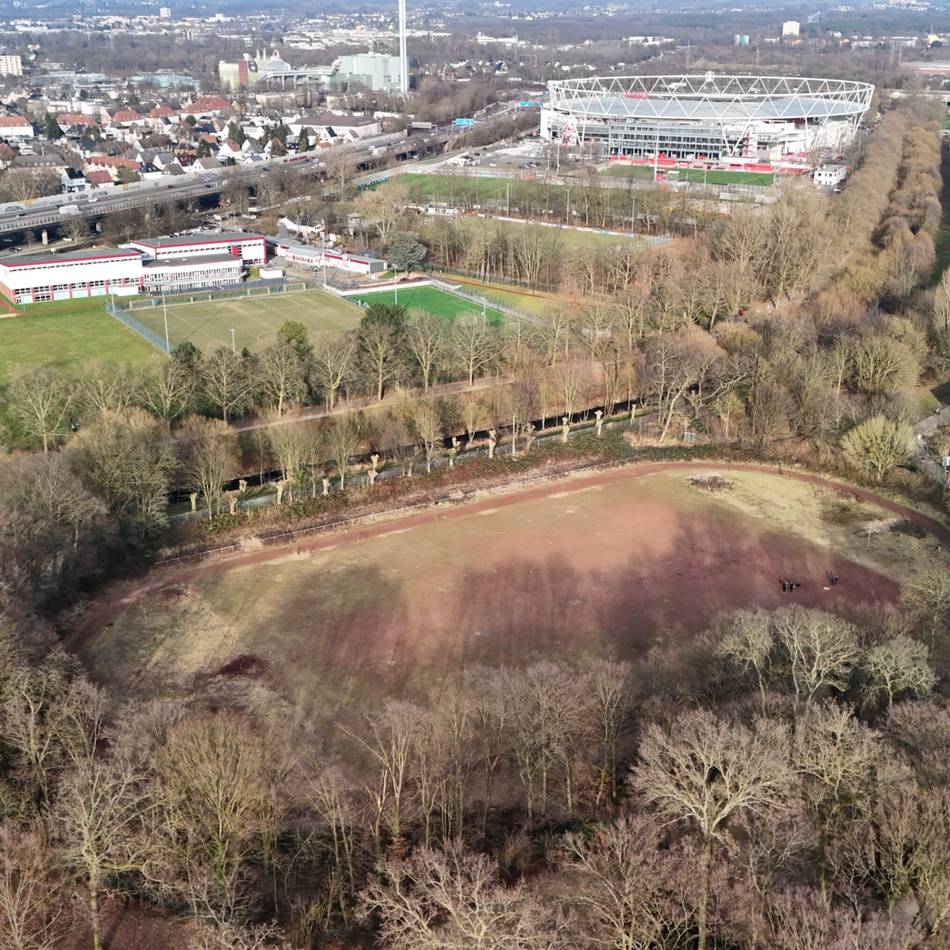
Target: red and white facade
<point x="251" y="248"/>
<point x="71" y="276"/>
<point x="318" y="258"/>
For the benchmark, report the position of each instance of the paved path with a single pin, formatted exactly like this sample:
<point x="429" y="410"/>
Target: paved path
<point x="922" y="458"/>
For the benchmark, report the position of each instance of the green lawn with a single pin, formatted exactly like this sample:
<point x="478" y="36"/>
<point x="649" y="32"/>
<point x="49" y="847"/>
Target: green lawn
<point x="255" y="320"/>
<point x="434" y="300"/>
<point x="713" y="176"/>
<point x="67" y="333"/>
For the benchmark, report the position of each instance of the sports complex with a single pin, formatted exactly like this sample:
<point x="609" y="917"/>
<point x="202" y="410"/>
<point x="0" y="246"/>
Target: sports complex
<point x="754" y="123"/>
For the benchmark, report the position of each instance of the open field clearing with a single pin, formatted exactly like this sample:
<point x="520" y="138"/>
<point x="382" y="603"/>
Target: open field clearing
<point x="255" y="320"/>
<point x="610" y="564"/>
<point x="66" y="334"/>
<point x="432" y="299"/>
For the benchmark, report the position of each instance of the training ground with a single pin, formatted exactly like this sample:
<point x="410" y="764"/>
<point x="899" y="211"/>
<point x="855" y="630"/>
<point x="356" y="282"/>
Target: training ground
<point x="608" y="564"/>
<point x="256" y="320"/>
<point x="434" y="300"/>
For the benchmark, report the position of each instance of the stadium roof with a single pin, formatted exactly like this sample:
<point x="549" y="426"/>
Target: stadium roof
<point x="715" y="110"/>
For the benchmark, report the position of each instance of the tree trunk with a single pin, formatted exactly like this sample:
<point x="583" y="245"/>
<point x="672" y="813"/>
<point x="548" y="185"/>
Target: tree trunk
<point x="704" y="868"/>
<point x="94" y="913"/>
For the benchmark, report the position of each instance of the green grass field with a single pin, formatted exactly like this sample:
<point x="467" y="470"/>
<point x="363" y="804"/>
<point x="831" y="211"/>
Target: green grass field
<point x="432" y="299"/>
<point x="65" y="334"/>
<point x="529" y="301"/>
<point x="712" y="176"/>
<point x="255" y="320"/>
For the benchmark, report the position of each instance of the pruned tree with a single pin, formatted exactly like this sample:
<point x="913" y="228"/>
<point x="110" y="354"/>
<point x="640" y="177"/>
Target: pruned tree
<point x="292" y="444"/>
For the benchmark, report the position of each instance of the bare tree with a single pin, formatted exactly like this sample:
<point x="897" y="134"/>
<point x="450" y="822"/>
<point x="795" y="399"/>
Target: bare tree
<point x="167" y="391"/>
<point x="40" y="401"/>
<point x="898" y="667"/>
<point x="128" y="458"/>
<point x="747" y="641"/>
<point x="292" y="445"/>
<point x="99" y="812"/>
<point x="332" y="362"/>
<point x="33" y="914"/>
<point x="611" y="682"/>
<point x="820" y="649"/>
<point x="427" y="338"/>
<point x="428" y="423"/>
<point x="877" y="445"/>
<point x="704" y="771"/>
<point x="453" y="899"/>
<point x="104" y="387"/>
<point x="208" y="455"/>
<point x="280" y="375"/>
<point x="616" y="876"/>
<point x="474" y="345"/>
<point x="343" y="436"/>
<point x="225" y="381"/>
<point x="377" y="342"/>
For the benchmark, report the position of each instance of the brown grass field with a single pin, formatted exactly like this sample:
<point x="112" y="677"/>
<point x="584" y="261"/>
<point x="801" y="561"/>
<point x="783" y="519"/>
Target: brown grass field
<point x="610" y="564"/>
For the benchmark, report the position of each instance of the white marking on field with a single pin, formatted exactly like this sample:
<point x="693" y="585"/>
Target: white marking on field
<point x="389" y="534"/>
<point x="488" y="511"/>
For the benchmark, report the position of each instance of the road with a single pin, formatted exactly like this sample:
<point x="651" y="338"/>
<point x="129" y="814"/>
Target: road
<point x="45" y="212"/>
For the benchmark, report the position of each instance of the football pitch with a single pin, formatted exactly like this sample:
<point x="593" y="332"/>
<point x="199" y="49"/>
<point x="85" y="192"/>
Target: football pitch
<point x="255" y="320"/>
<point x="434" y="300"/>
<point x="712" y="176"/>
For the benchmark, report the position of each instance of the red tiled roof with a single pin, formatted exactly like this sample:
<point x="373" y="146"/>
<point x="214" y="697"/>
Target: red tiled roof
<point x="207" y="104"/>
<point x="109" y="161"/>
<point x="126" y="115"/>
<point x="13" y="122"/>
<point x="161" y="112"/>
<point x="99" y="178"/>
<point x="75" y="118"/>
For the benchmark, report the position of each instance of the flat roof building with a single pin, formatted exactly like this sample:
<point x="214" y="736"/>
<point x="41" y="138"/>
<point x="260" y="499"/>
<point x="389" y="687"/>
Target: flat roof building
<point x="174" y="275"/>
<point x="316" y="257"/>
<point x="73" y="275"/>
<point x="249" y="247"/>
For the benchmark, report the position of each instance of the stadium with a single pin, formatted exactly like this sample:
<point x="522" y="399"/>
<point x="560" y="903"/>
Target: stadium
<point x="738" y="120"/>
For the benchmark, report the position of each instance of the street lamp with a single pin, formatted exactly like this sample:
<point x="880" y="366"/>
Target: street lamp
<point x="168" y="347"/>
<point x="233" y="345"/>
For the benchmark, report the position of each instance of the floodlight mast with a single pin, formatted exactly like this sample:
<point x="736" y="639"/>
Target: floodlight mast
<point x="403" y="58"/>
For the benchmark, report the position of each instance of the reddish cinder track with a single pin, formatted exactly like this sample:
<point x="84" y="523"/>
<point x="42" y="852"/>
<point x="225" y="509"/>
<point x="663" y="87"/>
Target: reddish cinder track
<point x="114" y="602"/>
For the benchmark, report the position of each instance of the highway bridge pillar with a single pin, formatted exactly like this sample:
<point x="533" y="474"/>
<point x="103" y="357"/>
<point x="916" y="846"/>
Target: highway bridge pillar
<point x="44" y="237"/>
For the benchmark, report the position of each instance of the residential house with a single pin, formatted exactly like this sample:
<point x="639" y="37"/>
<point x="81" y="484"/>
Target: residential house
<point x="16" y="129"/>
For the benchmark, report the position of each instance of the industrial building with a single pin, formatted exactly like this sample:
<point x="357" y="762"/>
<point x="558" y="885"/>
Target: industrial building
<point x="378" y="72"/>
<point x="250" y="248"/>
<point x="743" y="119"/>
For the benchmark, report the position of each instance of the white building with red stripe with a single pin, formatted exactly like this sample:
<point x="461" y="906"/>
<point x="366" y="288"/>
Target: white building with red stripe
<point x="317" y="258"/>
<point x="251" y="248"/>
<point x="74" y="275"/>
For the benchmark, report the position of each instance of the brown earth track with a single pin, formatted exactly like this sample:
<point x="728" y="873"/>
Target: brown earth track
<point x="118" y="600"/>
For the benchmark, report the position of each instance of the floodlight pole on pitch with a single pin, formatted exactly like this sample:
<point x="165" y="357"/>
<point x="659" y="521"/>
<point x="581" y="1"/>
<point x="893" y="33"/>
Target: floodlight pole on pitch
<point x="233" y="345"/>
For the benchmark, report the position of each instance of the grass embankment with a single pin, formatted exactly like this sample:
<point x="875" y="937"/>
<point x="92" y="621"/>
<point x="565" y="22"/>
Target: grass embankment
<point x="67" y="333"/>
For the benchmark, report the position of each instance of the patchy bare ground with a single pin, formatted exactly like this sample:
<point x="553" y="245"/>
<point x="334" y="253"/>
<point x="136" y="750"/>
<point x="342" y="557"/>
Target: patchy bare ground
<point x="603" y="564"/>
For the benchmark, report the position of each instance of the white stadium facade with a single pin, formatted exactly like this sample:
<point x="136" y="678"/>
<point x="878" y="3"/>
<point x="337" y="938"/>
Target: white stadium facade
<point x="740" y="120"/>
